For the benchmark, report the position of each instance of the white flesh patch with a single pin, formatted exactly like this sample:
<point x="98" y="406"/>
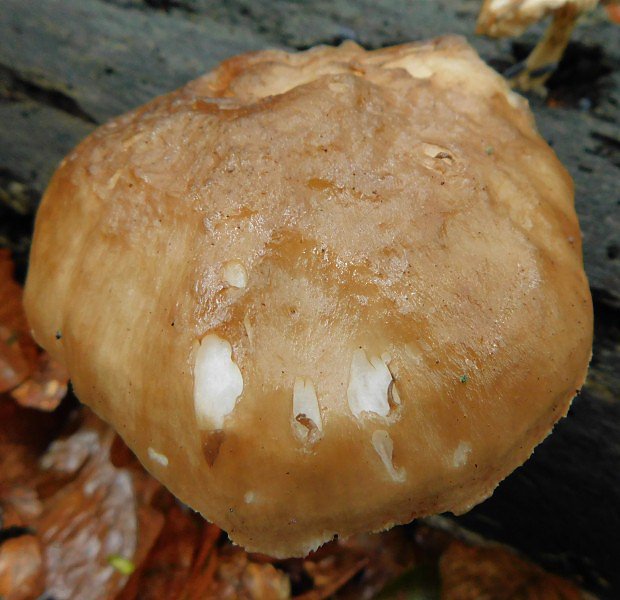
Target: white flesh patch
<point x="234" y="274"/>
<point x="461" y="455"/>
<point x="217" y="382"/>
<point x="249" y="497"/>
<point x="157" y="457"/>
<point x="384" y="447"/>
<point x="369" y="381"/>
<point x="434" y="151"/>
<point x="412" y="65"/>
<point x="395" y="396"/>
<point x="306" y="412"/>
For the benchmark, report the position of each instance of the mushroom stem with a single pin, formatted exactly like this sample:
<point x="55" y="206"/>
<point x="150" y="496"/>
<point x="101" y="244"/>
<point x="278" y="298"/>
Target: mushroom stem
<point x="544" y="59"/>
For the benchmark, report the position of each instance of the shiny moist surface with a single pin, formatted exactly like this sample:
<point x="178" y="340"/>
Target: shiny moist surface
<point x="383" y="229"/>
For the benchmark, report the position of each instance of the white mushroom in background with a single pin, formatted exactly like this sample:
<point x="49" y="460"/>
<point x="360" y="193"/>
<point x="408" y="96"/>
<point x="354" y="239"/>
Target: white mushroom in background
<point x="507" y="18"/>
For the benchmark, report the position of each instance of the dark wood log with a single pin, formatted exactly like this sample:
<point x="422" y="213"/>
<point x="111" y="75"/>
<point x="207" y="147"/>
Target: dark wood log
<point x="67" y="65"/>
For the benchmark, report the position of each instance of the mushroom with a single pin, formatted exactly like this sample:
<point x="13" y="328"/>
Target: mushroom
<point x="505" y="18"/>
<point x="319" y="293"/>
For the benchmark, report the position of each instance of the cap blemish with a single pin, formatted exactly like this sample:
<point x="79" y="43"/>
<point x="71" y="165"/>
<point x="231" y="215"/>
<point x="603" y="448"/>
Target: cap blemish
<point x="234" y="274"/>
<point x="249" y="497"/>
<point x="157" y="457"/>
<point x="439" y="152"/>
<point x="306" y="412"/>
<point x="393" y="397"/>
<point x="370" y="384"/>
<point x="414" y="67"/>
<point x="218" y="382"/>
<point x="249" y="331"/>
<point x="384" y="446"/>
<point x="461" y="455"/>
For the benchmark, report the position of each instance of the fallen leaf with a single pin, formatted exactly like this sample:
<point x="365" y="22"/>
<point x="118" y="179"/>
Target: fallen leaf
<point x="265" y="581"/>
<point x="21" y="568"/>
<point x="90" y="518"/>
<point x="390" y="554"/>
<point x="34" y="379"/>
<point x="14" y="367"/>
<point x="17" y="349"/>
<point x="12" y="313"/>
<point x="232" y="563"/>
<point x="164" y="572"/>
<point x="239" y="577"/>
<point x="329" y="579"/>
<point x="205" y="563"/>
<point x="470" y="573"/>
<point x="19" y="505"/>
<point x="24" y="436"/>
<point x="613" y="12"/>
<point x="66" y="456"/>
<point x="46" y="386"/>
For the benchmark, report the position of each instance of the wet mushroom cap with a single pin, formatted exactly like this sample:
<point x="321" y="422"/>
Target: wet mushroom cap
<point x="319" y="293"/>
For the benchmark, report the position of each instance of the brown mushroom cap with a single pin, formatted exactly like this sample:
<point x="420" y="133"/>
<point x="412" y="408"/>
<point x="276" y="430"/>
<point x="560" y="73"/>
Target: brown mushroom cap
<point x="319" y="293"/>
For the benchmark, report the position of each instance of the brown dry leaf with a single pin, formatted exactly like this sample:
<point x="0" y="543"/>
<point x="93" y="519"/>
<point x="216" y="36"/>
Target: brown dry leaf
<point x="19" y="505"/>
<point x="389" y="554"/>
<point x="164" y="572"/>
<point x="613" y="12"/>
<point x="265" y="581"/>
<point x="240" y="578"/>
<point x="471" y="573"/>
<point x="21" y="564"/>
<point x="46" y="386"/>
<point x="17" y="350"/>
<point x="14" y="367"/>
<point x="150" y="524"/>
<point x="35" y="379"/>
<point x="331" y="568"/>
<point x="232" y="563"/>
<point x="12" y="313"/>
<point x="82" y="509"/>
<point x="24" y="435"/>
<point x="89" y="519"/>
<point x="21" y="568"/>
<point x="205" y="564"/>
<point x="67" y="456"/>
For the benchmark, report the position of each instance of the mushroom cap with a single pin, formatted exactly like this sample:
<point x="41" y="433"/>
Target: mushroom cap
<point x="504" y="18"/>
<point x="319" y="293"/>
